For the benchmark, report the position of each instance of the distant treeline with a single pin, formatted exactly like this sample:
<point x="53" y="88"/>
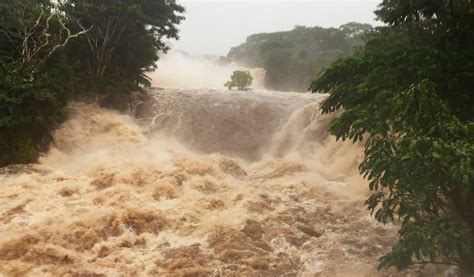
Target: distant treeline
<point x="292" y="58"/>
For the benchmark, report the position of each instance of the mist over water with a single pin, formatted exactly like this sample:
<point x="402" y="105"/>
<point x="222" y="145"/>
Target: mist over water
<point x="178" y="69"/>
<point x="192" y="182"/>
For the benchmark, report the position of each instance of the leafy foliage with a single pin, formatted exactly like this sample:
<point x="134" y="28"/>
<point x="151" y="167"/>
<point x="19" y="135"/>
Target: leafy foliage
<point x="34" y="78"/>
<point x="36" y="31"/>
<point x="291" y="58"/>
<point x="242" y="80"/>
<point x="51" y="52"/>
<point x="28" y="110"/>
<point x="124" y="39"/>
<point x="408" y="95"/>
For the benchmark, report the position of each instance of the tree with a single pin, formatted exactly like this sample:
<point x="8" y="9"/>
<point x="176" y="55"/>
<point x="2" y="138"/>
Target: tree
<point x="35" y="76"/>
<point x="242" y="80"/>
<point x="408" y="95"/>
<point x="30" y="28"/>
<point x="291" y="58"/>
<point x="125" y="37"/>
<point x="51" y="51"/>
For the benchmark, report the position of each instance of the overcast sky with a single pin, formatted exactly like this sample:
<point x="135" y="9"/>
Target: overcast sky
<point x="213" y="27"/>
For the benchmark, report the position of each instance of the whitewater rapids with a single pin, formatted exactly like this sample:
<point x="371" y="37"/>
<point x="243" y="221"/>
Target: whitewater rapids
<point x="192" y="183"/>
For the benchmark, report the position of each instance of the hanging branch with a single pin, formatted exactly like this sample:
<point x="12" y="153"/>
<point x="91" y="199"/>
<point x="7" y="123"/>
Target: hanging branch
<point x="35" y="44"/>
<point x="62" y="44"/>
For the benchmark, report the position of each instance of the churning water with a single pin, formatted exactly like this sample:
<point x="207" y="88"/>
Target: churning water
<point x="192" y="183"/>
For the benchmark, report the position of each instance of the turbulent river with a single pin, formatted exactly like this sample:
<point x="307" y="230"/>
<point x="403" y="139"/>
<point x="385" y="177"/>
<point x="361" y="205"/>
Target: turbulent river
<point x="192" y="183"/>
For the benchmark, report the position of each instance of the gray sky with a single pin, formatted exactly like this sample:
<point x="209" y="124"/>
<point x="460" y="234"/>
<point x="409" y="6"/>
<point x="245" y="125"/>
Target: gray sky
<point x="213" y="27"/>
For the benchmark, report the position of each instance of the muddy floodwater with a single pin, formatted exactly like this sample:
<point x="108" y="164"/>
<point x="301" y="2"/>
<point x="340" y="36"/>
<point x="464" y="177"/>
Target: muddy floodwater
<point x="192" y="183"/>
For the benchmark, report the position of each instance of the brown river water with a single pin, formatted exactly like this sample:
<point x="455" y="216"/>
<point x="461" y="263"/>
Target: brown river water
<point x="193" y="183"/>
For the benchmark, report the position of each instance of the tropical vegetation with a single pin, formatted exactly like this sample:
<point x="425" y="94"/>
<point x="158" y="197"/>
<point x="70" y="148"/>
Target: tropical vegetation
<point x="291" y="58"/>
<point x="52" y="51"/>
<point x="408" y="96"/>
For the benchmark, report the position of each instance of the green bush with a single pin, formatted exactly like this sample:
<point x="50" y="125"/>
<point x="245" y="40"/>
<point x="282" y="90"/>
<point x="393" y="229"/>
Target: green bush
<point x="29" y="110"/>
<point x="242" y="80"/>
